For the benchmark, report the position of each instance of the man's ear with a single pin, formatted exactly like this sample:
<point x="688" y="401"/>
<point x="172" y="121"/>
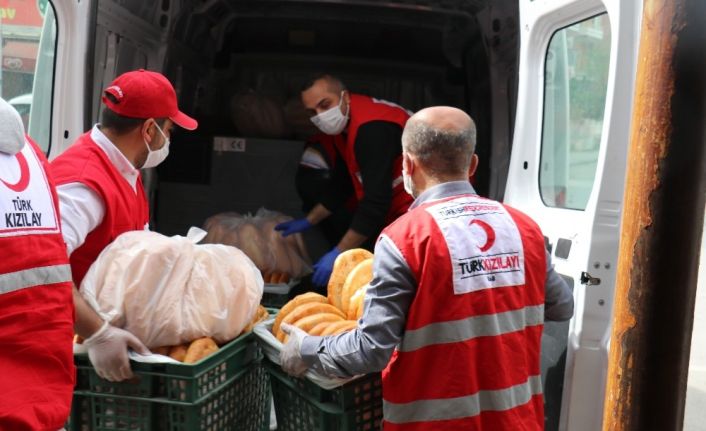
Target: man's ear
<point x="146" y="131"/>
<point x="473" y="166"/>
<point x="407" y="163"/>
<point x="347" y="101"/>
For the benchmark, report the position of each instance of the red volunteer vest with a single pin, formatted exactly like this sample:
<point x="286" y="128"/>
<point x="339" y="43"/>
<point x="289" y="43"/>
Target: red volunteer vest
<point x="470" y="355"/>
<point x="330" y="143"/>
<point x="36" y="303"/>
<point x="364" y="109"/>
<point x="86" y="163"/>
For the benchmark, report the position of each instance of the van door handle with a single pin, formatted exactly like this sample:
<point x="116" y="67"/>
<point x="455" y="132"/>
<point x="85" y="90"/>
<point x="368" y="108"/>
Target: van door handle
<point x="588" y="280"/>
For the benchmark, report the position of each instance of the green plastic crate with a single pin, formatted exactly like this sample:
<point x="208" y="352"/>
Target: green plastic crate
<point x="301" y="405"/>
<point x="274" y="300"/>
<point x="225" y="391"/>
<point x="276" y="295"/>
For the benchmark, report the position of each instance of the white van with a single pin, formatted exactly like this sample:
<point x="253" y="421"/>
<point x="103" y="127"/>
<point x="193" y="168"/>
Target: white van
<point x="549" y="83"/>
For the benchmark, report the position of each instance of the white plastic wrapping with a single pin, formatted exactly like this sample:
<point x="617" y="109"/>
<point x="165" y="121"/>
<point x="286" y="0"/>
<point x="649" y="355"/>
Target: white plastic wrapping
<point x="256" y="236"/>
<point x="169" y="290"/>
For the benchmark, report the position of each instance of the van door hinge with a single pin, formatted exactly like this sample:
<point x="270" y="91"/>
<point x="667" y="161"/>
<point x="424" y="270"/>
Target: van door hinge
<point x="588" y="280"/>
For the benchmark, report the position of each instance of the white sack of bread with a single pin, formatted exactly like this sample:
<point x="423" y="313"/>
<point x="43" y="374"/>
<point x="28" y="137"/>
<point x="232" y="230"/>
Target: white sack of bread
<point x="256" y="237"/>
<point x="169" y="290"/>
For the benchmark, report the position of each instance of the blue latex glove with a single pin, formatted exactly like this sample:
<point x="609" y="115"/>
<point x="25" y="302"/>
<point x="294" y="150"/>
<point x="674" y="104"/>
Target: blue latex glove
<point x="324" y="267"/>
<point x="293" y="226"/>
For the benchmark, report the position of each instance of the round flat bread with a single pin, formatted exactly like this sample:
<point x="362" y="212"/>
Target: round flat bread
<point x="336" y="328"/>
<point x="298" y="300"/>
<point x="306" y="310"/>
<point x="199" y="349"/>
<point x="355" y="307"/>
<point x="307" y="323"/>
<point x="344" y="264"/>
<point x="359" y="277"/>
<point x="318" y="329"/>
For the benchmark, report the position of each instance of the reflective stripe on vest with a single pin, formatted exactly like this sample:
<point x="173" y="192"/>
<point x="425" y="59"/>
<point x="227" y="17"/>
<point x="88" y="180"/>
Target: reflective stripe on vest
<point x="397" y="181"/>
<point x="43" y="275"/>
<point x="462" y="407"/>
<point x="477" y="326"/>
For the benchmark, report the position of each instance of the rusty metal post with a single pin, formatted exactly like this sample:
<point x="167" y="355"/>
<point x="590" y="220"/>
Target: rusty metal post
<point x="662" y="221"/>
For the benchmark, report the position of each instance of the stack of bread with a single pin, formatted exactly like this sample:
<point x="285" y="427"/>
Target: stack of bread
<point x="190" y="353"/>
<point x="340" y="310"/>
<point x="278" y="258"/>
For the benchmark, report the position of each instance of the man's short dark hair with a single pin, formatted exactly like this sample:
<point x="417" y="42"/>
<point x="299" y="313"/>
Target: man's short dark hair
<point x="335" y="85"/>
<point x="120" y="124"/>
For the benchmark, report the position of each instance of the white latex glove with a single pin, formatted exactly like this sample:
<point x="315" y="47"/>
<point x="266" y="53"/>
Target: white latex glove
<point x="290" y="356"/>
<point x="107" y="350"/>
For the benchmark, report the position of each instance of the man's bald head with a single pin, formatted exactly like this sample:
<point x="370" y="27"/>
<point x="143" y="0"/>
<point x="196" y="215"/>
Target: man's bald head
<point x="442" y="138"/>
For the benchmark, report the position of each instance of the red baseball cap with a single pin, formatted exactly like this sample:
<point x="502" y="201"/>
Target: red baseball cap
<point x="145" y="94"/>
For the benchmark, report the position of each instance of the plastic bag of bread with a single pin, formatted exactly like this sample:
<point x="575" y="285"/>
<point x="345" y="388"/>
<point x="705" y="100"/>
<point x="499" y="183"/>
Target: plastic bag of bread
<point x="278" y="258"/>
<point x="169" y="290"/>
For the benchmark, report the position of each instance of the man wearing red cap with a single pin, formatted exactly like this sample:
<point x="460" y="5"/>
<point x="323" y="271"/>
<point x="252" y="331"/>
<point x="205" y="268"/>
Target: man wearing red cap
<point x="101" y="194"/>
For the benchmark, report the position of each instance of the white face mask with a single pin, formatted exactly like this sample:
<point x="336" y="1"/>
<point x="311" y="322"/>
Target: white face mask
<point x="331" y="122"/>
<point x="156" y="157"/>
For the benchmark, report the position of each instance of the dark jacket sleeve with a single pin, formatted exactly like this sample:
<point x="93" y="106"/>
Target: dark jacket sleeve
<point x="339" y="187"/>
<point x="559" y="299"/>
<point x="377" y="145"/>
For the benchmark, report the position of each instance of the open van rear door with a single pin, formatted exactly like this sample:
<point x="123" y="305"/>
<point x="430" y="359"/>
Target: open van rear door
<point x="93" y="42"/>
<point x="577" y="70"/>
<point x="128" y="36"/>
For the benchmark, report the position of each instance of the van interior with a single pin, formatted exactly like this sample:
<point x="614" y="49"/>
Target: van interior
<point x="238" y="67"/>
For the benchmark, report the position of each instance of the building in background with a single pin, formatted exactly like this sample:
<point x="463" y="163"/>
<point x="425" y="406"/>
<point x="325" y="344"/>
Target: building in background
<point x="20" y="29"/>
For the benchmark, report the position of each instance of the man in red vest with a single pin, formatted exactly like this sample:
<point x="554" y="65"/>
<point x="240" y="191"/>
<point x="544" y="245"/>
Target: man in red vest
<point x="36" y="309"/>
<point x="461" y="288"/>
<point x="372" y="160"/>
<point x="101" y="194"/>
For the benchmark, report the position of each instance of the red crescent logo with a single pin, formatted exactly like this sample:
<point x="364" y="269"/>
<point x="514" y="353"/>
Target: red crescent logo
<point x="23" y="182"/>
<point x="489" y="232"/>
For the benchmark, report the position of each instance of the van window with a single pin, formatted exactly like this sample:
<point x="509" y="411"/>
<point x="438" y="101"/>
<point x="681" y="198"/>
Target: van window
<point x="28" y="44"/>
<point x="575" y="86"/>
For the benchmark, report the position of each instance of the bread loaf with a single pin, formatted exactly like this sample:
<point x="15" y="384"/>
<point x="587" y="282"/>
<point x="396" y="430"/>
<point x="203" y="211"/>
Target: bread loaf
<point x="298" y="300"/>
<point x="305" y="310"/>
<point x="253" y="245"/>
<point x="318" y="329"/>
<point x="355" y="307"/>
<point x="308" y="322"/>
<point x="281" y="261"/>
<point x="260" y="315"/>
<point x="342" y="266"/>
<point x="357" y="279"/>
<point x="336" y="328"/>
<point x="199" y="349"/>
<point x="163" y="350"/>
<point x="178" y="352"/>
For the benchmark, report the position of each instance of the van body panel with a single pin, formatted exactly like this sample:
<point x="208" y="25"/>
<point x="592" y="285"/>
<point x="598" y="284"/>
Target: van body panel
<point x="69" y="75"/>
<point x="594" y="231"/>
